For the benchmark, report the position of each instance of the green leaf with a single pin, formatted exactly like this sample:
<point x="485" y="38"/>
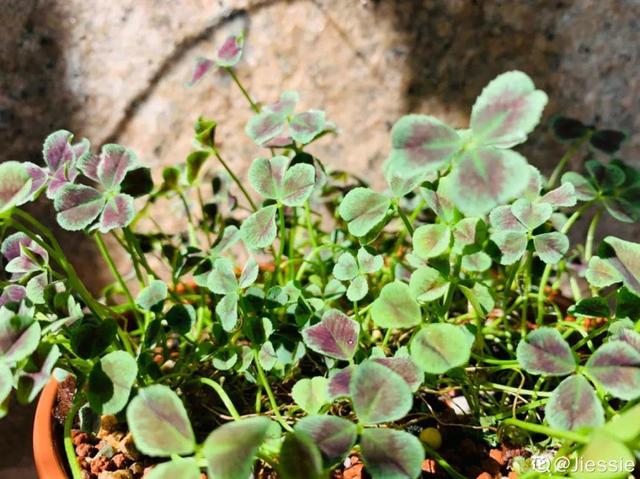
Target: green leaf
<point x="390" y="454"/>
<point x="531" y="215"/>
<point x="100" y="388"/>
<point x="195" y="161"/>
<point x="306" y="126"/>
<point x="311" y="394"/>
<point x="369" y="263"/>
<point x="227" y="310"/>
<point x="91" y="336"/>
<point x="574" y="405"/>
<point x="259" y="230"/>
<point x="512" y="245"/>
<point x="249" y="273"/>
<point x="159" y="423"/>
<point x="427" y="284"/>
<point x="299" y="181"/>
<point x="153" y="294"/>
<point x="626" y="426"/>
<point x="626" y="263"/>
<point x="333" y="435"/>
<point x="15" y="185"/>
<point x="300" y="457"/>
<point x="430" y="241"/>
<point x="476" y="262"/>
<point x="181" y="318"/>
<point x="551" y="247"/>
<point x="222" y="279"/>
<point x="608" y="455"/>
<point x="405" y="367"/>
<point x="544" y="351"/>
<point x="378" y="394"/>
<point x="363" y="209"/>
<point x="507" y="110"/>
<point x="595" y="307"/>
<point x="627" y="304"/>
<point x="358" y="289"/>
<point x="122" y="370"/>
<point x="346" y="267"/>
<point x="562" y="197"/>
<point x="19" y="335"/>
<point x="6" y="380"/>
<point x="439" y="347"/>
<point x="177" y="468"/>
<point x="602" y="273"/>
<point x="484" y="178"/>
<point x="421" y="144"/>
<point x="616" y="365"/>
<point x="265" y="126"/>
<point x="230" y="450"/>
<point x="584" y="189"/>
<point x="464" y="233"/>
<point x="396" y="307"/>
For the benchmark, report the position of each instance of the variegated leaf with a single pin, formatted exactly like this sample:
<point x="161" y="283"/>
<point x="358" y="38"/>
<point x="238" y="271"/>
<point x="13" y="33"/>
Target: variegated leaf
<point x="363" y="209"/>
<point x="259" y="230"/>
<point x="562" y="197"/>
<point x="439" y="347"/>
<point x="427" y="284"/>
<point x="531" y="215"/>
<point x="544" y="351"/>
<point x="391" y="454"/>
<point x="333" y="435"/>
<point x="202" y="67"/>
<point x="265" y="126"/>
<point x="396" y="307"/>
<point x="551" y="247"/>
<point x="78" y="206"/>
<point x="115" y="162"/>
<point x="616" y="365"/>
<point x="335" y="336"/>
<point x="306" y="126"/>
<point x="15" y="185"/>
<point x="311" y="393"/>
<point x="512" y="245"/>
<point x="431" y="240"/>
<point x="231" y="50"/>
<point x="118" y="212"/>
<point x="574" y="405"/>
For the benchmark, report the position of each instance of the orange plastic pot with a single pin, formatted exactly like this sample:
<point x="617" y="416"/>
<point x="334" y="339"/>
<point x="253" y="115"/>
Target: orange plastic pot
<point x="46" y="453"/>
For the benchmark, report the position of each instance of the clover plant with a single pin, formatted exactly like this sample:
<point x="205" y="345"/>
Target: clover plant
<point x="303" y="316"/>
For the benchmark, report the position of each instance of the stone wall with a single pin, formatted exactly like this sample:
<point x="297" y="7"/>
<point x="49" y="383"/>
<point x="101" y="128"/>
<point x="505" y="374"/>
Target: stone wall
<point x="115" y="70"/>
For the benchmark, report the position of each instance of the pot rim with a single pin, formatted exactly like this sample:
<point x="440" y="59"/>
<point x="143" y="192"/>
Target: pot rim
<point x="47" y="461"/>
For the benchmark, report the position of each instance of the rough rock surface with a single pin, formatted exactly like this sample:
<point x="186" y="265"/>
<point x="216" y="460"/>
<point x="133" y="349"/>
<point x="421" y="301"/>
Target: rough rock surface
<point x="114" y="70"/>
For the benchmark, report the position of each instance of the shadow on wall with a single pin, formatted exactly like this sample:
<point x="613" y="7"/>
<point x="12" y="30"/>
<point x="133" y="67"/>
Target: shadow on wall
<point x="584" y="54"/>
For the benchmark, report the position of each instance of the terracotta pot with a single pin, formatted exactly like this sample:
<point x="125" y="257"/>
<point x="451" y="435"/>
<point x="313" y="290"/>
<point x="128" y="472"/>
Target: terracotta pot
<point x="46" y="452"/>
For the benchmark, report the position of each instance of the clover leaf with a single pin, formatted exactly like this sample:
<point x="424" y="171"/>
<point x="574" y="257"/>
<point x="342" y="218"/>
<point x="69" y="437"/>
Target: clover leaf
<point x="363" y="209"/>
<point x="24" y="255"/>
<point x="17" y="185"/>
<point x="222" y="280"/>
<point x="334" y="436"/>
<point x="274" y="179"/>
<point x="624" y="267"/>
<point x="388" y="453"/>
<point x="78" y="206"/>
<point x="573" y="405"/>
<point x="228" y="56"/>
<point x="335" y="336"/>
<point x="347" y="268"/>
<point x="61" y="160"/>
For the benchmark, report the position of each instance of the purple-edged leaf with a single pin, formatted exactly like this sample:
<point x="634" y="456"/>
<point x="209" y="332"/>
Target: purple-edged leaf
<point x="259" y="229"/>
<point x="441" y="205"/>
<point x="121" y="368"/>
<point x="12" y="293"/>
<point x="249" y="273"/>
<point x="406" y="368"/>
<point x="23" y="254"/>
<point x="432" y="240"/>
<point x="39" y="379"/>
<point x="311" y="394"/>
<point x="265" y="126"/>
<point x="379" y="394"/>
<point x="396" y="307"/>
<point x="299" y="181"/>
<point x="306" y="126"/>
<point x="421" y="144"/>
<point x="464" y="233"/>
<point x="346" y="268"/>
<point x="58" y="179"/>
<point x="300" y="457"/>
<point x="178" y="467"/>
<point x="532" y="191"/>
<point x="629" y="336"/>
<point x="159" y="423"/>
<point x="118" y="212"/>
<point x="231" y="50"/>
<point x="15" y="185"/>
<point x="627" y="261"/>
<point x="439" y="347"/>
<point x="203" y="65"/>
<point x="286" y="104"/>
<point x="156" y="292"/>
<point x="39" y="177"/>
<point x="531" y="215"/>
<point x="78" y="206"/>
<point x="19" y="335"/>
<point x="427" y="284"/>
<point x="115" y="161"/>
<point x="602" y="273"/>
<point x="57" y="151"/>
<point x="6" y="381"/>
<point x="502" y="219"/>
<point x="486" y="177"/>
<point x="227" y="311"/>
<point x="390" y="454"/>
<point x="574" y="405"/>
<point x="369" y="263"/>
<point x="511" y="244"/>
<point x="230" y="450"/>
<point x="562" y="197"/>
<point x="333" y="435"/>
<point x="544" y="351"/>
<point x="507" y="110"/>
<point x="88" y="165"/>
<point x="399" y="185"/>
<point x="476" y="262"/>
<point x="363" y="209"/>
<point x="616" y="365"/>
<point x="222" y="279"/>
<point x="551" y="247"/>
<point x="35" y="288"/>
<point x="584" y="190"/>
<point x="267" y="175"/>
<point x="358" y="289"/>
<point x="335" y="336"/>
<point x="339" y="381"/>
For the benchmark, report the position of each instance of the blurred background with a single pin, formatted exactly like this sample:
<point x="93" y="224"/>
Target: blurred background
<point x="115" y="71"/>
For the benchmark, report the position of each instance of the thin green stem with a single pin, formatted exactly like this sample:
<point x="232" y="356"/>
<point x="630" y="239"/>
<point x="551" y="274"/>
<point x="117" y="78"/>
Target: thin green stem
<point x="224" y="397"/>
<point x="591" y="233"/>
<point x="69" y="449"/>
<point x="443" y="463"/>
<point x="527" y="288"/>
<point x="272" y="399"/>
<point x="540" y="429"/>
<point x="405" y="220"/>
<point x="573" y="149"/>
<point x="235" y="179"/>
<point x="245" y="93"/>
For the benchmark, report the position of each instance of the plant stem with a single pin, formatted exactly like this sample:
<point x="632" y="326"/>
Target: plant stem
<point x="69" y="449"/>
<point x="224" y="397"/>
<point x="267" y="388"/>
<point x="405" y="220"/>
<point x="443" y="463"/>
<point x="591" y="232"/>
<point x="235" y="179"/>
<point x="527" y="288"/>
<point x="540" y="429"/>
<point x="573" y="149"/>
<point x="245" y="93"/>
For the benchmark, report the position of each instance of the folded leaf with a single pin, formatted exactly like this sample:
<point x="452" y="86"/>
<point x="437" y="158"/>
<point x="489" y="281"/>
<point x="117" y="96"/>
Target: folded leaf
<point x="427" y="284"/>
<point x="406" y="368"/>
<point x="531" y="215"/>
<point x="78" y="206"/>
<point x="358" y="289"/>
<point x="544" y="351"/>
<point x="122" y="369"/>
<point x="115" y="162"/>
<point x="574" y="405"/>
<point x="156" y="292"/>
<point x="222" y="279"/>
<point x="231" y="50"/>
<point x="390" y="454"/>
<point x="203" y="65"/>
<point x="15" y="185"/>
<point x="307" y="125"/>
<point x="300" y="457"/>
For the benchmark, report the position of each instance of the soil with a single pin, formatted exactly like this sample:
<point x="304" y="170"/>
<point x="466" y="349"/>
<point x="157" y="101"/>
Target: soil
<point x="111" y="454"/>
